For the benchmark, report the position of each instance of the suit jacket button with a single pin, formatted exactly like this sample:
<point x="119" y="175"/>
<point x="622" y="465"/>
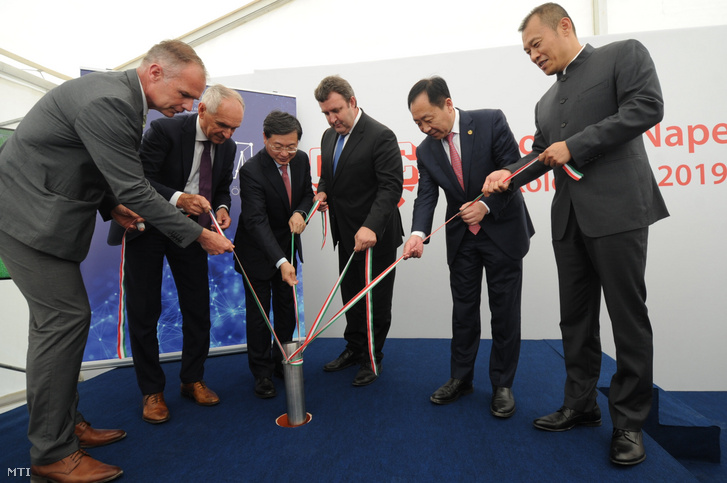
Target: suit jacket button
<point x="562" y="101"/>
<point x="563" y="124"/>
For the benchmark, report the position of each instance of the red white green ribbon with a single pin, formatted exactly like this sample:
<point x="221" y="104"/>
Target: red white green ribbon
<point x="572" y="172"/>
<point x="324" y="224"/>
<point x="370" y="314"/>
<point x="121" y="324"/>
<point x="252" y="290"/>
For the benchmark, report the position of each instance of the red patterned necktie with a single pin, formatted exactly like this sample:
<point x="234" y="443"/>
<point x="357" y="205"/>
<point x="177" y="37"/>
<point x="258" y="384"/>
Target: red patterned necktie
<point x="286" y="182"/>
<point x="457" y="168"/>
<point x="205" y="182"/>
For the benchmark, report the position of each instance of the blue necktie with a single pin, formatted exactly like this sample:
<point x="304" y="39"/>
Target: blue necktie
<point x="337" y="153"/>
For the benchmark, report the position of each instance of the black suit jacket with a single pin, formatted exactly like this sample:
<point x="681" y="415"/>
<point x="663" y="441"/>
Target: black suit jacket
<point x="487" y="144"/>
<point x="263" y="236"/>
<point x="367" y="186"/>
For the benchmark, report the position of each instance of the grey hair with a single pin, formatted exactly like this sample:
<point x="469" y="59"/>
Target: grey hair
<point x="214" y="95"/>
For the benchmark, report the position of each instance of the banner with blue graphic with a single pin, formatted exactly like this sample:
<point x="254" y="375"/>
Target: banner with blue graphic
<point x="101" y="270"/>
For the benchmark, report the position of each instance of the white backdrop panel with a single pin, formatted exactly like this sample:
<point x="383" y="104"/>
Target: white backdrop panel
<point x="686" y="268"/>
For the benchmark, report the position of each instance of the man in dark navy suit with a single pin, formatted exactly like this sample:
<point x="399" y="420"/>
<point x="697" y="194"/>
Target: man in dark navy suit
<point x="275" y="195"/>
<point x="461" y="149"/>
<point x="188" y="160"/>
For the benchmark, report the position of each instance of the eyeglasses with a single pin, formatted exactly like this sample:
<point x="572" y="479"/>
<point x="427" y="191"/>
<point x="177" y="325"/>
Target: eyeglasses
<point x="276" y="148"/>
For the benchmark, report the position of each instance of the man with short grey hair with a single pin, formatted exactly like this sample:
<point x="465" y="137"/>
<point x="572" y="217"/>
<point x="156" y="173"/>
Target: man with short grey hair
<point x="189" y="161"/>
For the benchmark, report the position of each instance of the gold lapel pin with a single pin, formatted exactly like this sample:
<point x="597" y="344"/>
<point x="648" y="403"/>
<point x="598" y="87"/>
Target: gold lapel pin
<point x="469" y="132"/>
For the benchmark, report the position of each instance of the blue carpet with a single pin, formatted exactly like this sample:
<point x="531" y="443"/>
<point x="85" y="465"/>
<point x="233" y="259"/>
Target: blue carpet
<point x="386" y="432"/>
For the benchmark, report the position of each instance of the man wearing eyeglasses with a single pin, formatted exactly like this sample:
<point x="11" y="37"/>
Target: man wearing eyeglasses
<point x="275" y="195"/>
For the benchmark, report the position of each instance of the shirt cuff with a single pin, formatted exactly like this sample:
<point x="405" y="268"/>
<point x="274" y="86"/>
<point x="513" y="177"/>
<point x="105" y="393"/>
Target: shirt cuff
<point x="175" y="197"/>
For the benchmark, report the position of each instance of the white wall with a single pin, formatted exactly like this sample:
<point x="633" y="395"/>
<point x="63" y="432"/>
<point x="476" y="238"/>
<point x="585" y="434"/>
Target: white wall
<point x="686" y="267"/>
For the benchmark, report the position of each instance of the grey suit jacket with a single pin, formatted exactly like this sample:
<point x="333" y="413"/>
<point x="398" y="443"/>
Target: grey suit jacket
<point x="601" y="107"/>
<point x="73" y="154"/>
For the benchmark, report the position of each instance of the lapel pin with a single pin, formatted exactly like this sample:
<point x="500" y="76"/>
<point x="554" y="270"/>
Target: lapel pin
<point x="469" y="132"/>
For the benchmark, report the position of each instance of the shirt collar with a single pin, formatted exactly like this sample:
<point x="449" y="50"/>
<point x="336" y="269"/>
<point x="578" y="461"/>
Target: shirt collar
<point x="143" y="99"/>
<point x="355" y="121"/>
<point x="455" y="126"/>
<point x="199" y="135"/>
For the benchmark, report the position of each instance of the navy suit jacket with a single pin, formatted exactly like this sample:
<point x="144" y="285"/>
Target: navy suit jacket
<point x="263" y="236"/>
<point x="487" y="144"/>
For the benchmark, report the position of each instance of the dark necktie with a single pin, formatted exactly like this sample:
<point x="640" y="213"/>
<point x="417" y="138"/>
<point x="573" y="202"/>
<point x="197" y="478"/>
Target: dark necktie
<point x="205" y="182"/>
<point x="457" y="168"/>
<point x="337" y="153"/>
<point x="286" y="182"/>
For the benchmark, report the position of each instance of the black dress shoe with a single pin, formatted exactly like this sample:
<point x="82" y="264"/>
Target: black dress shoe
<point x="346" y="359"/>
<point x="451" y="391"/>
<point x="264" y="388"/>
<point x="565" y="418"/>
<point x="503" y="402"/>
<point x="627" y="447"/>
<point x="365" y="374"/>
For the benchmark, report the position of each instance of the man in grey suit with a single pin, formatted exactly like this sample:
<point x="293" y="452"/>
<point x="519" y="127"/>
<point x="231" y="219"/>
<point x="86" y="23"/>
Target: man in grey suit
<point x="591" y="121"/>
<point x="75" y="153"/>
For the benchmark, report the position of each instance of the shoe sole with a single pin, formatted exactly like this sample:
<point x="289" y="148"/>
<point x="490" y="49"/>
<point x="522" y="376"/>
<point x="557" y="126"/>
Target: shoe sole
<point x="266" y="396"/>
<point x="442" y="402"/>
<point x="360" y="384"/>
<point x="191" y="396"/>
<point x="560" y="430"/>
<point x="43" y="479"/>
<point x="156" y="421"/>
<point x="87" y="446"/>
<point x="502" y="415"/>
<point x="628" y="463"/>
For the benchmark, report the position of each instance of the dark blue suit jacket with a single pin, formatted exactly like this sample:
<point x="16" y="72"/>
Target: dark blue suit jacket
<point x="487" y="145"/>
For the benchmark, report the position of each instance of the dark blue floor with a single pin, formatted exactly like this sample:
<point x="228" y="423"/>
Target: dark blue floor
<point x="388" y="431"/>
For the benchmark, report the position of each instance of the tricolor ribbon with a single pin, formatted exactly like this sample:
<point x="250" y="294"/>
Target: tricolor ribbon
<point x="570" y="171"/>
<point x="370" y="314"/>
<point x="120" y="332"/>
<point x="257" y="300"/>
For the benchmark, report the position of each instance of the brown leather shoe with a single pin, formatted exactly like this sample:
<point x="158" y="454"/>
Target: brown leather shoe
<point x="202" y="395"/>
<point x="155" y="409"/>
<point x="91" y="437"/>
<point x="77" y="467"/>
